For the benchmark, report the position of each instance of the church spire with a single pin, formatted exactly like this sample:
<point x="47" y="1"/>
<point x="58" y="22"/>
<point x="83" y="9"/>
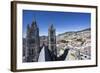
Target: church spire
<point x="51" y="27"/>
<point x="52" y="40"/>
<point x="34" y="24"/>
<point x="32" y="42"/>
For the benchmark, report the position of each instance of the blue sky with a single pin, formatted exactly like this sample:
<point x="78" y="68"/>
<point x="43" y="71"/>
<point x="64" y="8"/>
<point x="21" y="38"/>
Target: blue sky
<point x="62" y="21"/>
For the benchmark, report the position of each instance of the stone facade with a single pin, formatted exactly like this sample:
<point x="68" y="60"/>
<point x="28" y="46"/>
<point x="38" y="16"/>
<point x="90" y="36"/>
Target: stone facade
<point x="32" y="43"/>
<point x="52" y="41"/>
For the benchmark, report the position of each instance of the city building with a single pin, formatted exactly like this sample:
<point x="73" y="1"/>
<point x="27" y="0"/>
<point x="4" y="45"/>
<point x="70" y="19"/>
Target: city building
<point x="52" y="41"/>
<point x="32" y="43"/>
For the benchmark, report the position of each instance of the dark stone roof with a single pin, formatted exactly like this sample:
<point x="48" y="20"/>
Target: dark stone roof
<point x="49" y="56"/>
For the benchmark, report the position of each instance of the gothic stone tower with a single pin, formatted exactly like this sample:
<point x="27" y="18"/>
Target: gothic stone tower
<point x="52" y="42"/>
<point x="32" y="43"/>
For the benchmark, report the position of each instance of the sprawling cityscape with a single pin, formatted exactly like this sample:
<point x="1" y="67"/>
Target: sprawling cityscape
<point x="56" y="36"/>
<point x="65" y="46"/>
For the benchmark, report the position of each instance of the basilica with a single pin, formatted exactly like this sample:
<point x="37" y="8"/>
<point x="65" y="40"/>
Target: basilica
<point x="33" y="52"/>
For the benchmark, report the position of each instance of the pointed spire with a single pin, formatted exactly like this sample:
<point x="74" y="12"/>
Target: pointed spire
<point x="51" y="26"/>
<point x="34" y="19"/>
<point x="34" y="24"/>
